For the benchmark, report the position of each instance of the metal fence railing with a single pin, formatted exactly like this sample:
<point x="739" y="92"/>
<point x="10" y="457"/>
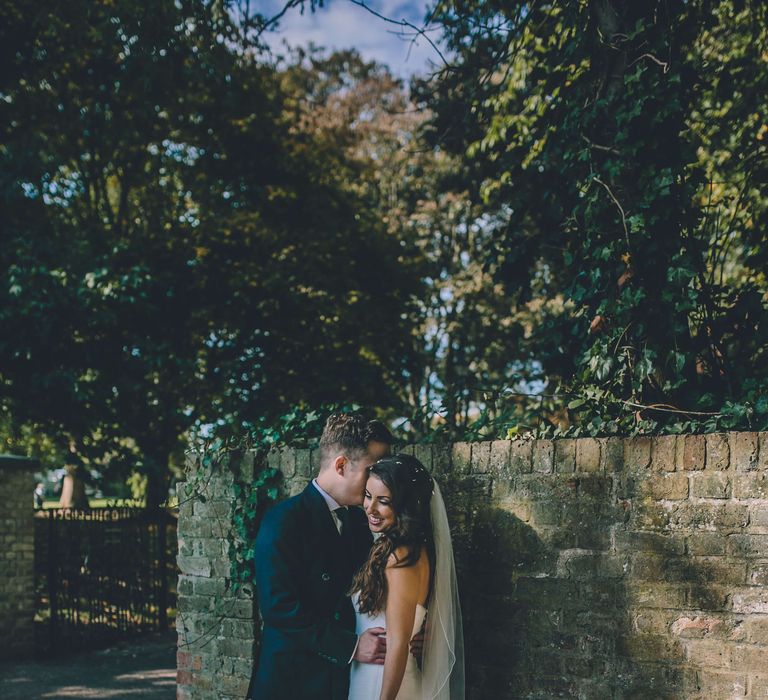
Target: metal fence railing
<point x="102" y="575"/>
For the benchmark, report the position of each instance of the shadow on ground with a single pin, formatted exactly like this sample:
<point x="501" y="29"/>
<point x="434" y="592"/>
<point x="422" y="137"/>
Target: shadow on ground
<point x="144" y="669"/>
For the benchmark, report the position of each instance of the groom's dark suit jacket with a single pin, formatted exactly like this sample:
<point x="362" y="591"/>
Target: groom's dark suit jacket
<point x="304" y="568"/>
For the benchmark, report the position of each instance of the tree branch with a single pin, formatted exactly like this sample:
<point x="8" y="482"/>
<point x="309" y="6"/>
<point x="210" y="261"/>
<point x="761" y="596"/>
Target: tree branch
<point x="616" y="201"/>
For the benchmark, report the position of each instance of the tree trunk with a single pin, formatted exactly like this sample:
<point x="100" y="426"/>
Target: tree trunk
<point x="158" y="482"/>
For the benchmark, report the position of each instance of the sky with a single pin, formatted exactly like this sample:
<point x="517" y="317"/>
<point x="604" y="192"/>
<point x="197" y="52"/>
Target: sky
<point x="341" y="24"/>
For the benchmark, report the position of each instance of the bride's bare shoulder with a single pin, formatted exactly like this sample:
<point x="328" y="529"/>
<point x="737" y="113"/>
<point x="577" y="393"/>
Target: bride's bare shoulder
<point x="417" y="573"/>
<point x="400" y="555"/>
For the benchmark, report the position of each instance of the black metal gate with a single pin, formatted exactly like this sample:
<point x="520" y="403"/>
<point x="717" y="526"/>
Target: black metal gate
<point x="102" y="575"/>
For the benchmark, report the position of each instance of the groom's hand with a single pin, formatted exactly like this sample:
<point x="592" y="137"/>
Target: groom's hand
<point x="372" y="646"/>
<point x="417" y="643"/>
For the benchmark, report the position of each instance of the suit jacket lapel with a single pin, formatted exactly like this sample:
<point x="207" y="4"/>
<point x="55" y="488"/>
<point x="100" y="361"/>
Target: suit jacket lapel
<point x="343" y="550"/>
<point x="323" y="525"/>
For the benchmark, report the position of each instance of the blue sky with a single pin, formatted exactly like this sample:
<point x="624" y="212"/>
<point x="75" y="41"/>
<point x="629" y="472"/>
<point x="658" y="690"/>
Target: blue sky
<point x="341" y="24"/>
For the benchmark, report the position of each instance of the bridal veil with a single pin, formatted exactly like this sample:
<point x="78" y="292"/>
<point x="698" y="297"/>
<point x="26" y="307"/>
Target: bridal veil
<point x="443" y="656"/>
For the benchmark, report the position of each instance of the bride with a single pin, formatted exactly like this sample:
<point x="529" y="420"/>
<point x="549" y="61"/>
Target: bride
<point x="409" y="576"/>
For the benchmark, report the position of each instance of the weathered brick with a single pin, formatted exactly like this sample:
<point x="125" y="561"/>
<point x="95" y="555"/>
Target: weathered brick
<point x="744" y="451"/>
<point x="650" y="516"/>
<point x="461" y="457"/>
<point x="651" y="647"/>
<point x="242" y="648"/>
<point x="315" y="455"/>
<point x="727" y="516"/>
<point x="185" y="585"/>
<point x="717" y="485"/>
<point x="499" y="461"/>
<point x="481" y="457"/>
<point x="758" y="685"/>
<point x="721" y="684"/>
<point x="649" y="566"/>
<point x="184" y="677"/>
<point x="715" y="568"/>
<point x="757" y="574"/>
<point x="611" y="454"/>
<point x="17" y="529"/>
<point x="520" y="510"/>
<point x="752" y="485"/>
<point x="762" y="454"/>
<point x="718" y="451"/>
<point x="672" y="487"/>
<point x="275" y="461"/>
<point x="663" y="453"/>
<point x="695" y="627"/>
<point x="441" y="459"/>
<point x="651" y="621"/>
<point x="758" y="516"/>
<point x="748" y="545"/>
<point x="183" y="660"/>
<point x="637" y="454"/>
<point x="303" y="464"/>
<point x="755" y="629"/>
<point x="656" y="594"/>
<point x="521" y="456"/>
<point x="753" y="600"/>
<point x="183" y="692"/>
<point x="707" y="543"/>
<point x="233" y="685"/>
<point x="209" y="586"/>
<point x="295" y="486"/>
<point x="588" y="455"/>
<point x="543" y="456"/>
<point x="565" y="455"/>
<point x="423" y="452"/>
<point x="194" y="566"/>
<point x="708" y="654"/>
<point x="694" y="452"/>
<point x="639" y="541"/>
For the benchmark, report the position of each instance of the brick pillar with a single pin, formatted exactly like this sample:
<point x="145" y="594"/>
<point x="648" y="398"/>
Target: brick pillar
<point x="17" y="575"/>
<point x="218" y="631"/>
<point x="216" y="627"/>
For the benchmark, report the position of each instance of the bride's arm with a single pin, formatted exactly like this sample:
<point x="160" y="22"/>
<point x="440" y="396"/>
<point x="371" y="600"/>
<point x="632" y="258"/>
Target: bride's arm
<point x="400" y="611"/>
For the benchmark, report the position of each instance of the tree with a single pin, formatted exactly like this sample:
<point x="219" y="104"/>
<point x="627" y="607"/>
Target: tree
<point x="461" y="320"/>
<point x="179" y="250"/>
<point x="586" y="129"/>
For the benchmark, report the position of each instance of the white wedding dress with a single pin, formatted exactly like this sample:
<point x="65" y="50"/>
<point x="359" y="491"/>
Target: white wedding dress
<point x="365" y="679"/>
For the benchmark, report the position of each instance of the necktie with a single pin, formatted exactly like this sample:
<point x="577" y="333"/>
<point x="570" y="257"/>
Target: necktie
<point x="342" y="513"/>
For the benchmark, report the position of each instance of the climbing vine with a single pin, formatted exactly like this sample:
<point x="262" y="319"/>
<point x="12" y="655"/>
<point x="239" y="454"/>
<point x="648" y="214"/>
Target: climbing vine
<point x="504" y="416"/>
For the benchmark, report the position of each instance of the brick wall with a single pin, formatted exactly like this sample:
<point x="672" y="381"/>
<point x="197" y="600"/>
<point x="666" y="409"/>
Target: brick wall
<point x="589" y="568"/>
<point x="17" y="585"/>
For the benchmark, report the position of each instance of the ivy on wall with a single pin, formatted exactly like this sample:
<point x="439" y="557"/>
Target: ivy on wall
<point x="301" y="428"/>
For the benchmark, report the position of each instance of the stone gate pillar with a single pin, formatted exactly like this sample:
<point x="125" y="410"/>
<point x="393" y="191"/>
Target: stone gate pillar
<point x="17" y="558"/>
<point x="218" y="629"/>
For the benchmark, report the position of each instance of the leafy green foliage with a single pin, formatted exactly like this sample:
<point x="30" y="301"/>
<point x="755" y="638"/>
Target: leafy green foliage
<point x="621" y="145"/>
<point x="566" y="232"/>
<point x="180" y="249"/>
<point x="299" y="427"/>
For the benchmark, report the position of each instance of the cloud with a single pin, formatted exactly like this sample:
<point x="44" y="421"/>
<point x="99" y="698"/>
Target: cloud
<point x="341" y="24"/>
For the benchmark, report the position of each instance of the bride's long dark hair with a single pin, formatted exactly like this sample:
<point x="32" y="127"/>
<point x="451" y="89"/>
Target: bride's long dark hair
<point x="411" y="487"/>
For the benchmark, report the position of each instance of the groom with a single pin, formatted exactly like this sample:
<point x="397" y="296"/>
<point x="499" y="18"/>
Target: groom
<point x="307" y="550"/>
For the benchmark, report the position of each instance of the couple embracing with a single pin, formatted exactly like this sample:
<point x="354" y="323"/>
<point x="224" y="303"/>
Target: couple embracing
<point x="359" y="603"/>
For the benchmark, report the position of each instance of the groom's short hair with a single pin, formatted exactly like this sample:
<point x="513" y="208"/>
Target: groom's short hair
<point x="350" y="434"/>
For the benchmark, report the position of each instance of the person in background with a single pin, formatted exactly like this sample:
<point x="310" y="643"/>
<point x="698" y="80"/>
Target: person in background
<point x="73" y="489"/>
<point x="39" y="495"/>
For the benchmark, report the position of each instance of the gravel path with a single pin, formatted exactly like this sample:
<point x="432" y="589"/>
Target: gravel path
<point x="144" y="669"/>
